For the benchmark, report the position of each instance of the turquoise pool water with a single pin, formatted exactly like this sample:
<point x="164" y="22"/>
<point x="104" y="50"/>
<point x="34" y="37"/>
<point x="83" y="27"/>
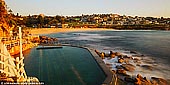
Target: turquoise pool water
<point x="66" y="66"/>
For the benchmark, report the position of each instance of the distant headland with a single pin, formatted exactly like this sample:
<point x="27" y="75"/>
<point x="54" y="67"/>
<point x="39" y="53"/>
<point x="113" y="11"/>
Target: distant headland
<point x="111" y="21"/>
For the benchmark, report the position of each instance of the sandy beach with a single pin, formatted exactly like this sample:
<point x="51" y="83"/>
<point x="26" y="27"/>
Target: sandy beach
<point x="63" y="30"/>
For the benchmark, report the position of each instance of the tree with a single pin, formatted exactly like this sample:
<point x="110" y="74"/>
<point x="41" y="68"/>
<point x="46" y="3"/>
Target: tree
<point x="58" y="18"/>
<point x="40" y="21"/>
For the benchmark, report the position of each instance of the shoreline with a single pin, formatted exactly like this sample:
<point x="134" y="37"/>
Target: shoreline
<point x="41" y="31"/>
<point x="38" y="31"/>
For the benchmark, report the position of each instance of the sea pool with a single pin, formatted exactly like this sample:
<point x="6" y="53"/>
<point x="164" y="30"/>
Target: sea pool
<point x="65" y="66"/>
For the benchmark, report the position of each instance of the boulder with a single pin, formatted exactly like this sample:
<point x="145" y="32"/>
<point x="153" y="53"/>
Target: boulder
<point x="102" y="55"/>
<point x="97" y="52"/>
<point x="147" y="67"/>
<point x="133" y="52"/>
<point x="140" y="77"/>
<point x="136" y="59"/>
<point x="112" y="54"/>
<point x="129" y="79"/>
<point x="114" y="71"/>
<point x="146" y="81"/>
<point x="142" y="81"/>
<point x="119" y="67"/>
<point x="120" y="60"/>
<point x="126" y="61"/>
<point x="121" y="71"/>
<point x="137" y="64"/>
<point x="138" y="81"/>
<point x="128" y="67"/>
<point x="159" y="81"/>
<point x="128" y="57"/>
<point x="118" y="54"/>
<point x="107" y="55"/>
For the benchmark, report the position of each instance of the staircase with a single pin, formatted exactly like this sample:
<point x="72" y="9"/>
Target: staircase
<point x="14" y="67"/>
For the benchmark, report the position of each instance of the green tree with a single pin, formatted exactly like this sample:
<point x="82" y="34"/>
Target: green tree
<point x="40" y="21"/>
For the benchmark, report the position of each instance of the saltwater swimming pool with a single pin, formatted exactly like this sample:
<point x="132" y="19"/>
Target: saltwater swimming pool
<point x="66" y="66"/>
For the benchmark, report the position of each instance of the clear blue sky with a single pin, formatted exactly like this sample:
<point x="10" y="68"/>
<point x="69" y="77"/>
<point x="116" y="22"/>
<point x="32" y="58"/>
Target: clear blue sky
<point x="155" y="8"/>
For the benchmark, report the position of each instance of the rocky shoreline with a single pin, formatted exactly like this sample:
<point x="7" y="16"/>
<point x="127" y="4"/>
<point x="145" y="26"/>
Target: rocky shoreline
<point x="122" y="65"/>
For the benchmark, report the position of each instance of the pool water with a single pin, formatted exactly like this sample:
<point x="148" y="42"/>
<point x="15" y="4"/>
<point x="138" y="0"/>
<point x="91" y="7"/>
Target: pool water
<point x="66" y="66"/>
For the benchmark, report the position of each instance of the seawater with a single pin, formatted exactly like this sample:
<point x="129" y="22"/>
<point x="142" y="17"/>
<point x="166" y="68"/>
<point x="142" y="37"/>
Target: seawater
<point x="154" y="45"/>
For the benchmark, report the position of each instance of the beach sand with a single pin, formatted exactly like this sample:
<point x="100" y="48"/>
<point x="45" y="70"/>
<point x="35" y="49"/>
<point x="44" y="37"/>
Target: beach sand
<point x="63" y="30"/>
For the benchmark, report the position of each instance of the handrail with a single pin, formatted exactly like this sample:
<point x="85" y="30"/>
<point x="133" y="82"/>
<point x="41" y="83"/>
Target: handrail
<point x="7" y="64"/>
<point x="6" y="72"/>
<point x="10" y="66"/>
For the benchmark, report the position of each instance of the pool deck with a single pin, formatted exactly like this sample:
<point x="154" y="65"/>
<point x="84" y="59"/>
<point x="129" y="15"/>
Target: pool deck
<point x="110" y="76"/>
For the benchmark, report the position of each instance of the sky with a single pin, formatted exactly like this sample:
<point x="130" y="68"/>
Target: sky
<point x="150" y="8"/>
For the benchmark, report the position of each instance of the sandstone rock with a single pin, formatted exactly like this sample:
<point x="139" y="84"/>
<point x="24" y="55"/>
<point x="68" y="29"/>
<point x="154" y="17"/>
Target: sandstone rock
<point x="112" y="54"/>
<point x="120" y="60"/>
<point x="97" y="52"/>
<point x="134" y="52"/>
<point x="142" y="81"/>
<point x="136" y="59"/>
<point x="140" y="77"/>
<point x="126" y="61"/>
<point x="147" y="67"/>
<point x="113" y="71"/>
<point x="121" y="71"/>
<point x="107" y="55"/>
<point x="127" y="57"/>
<point x="138" y="81"/>
<point x="118" y="54"/>
<point x="102" y="55"/>
<point x="119" y="67"/>
<point x="146" y="81"/>
<point x="160" y="81"/>
<point x="128" y="67"/>
<point x="129" y="79"/>
<point x="137" y="64"/>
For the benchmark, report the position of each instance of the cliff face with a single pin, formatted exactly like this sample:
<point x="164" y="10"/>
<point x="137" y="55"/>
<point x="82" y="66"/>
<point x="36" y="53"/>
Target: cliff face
<point x="4" y="20"/>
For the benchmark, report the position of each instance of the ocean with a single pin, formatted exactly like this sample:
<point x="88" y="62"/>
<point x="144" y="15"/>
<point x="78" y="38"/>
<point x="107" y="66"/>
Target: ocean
<point x="153" y="45"/>
<point x="52" y="66"/>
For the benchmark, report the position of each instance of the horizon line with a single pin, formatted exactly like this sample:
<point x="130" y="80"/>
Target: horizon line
<point x="69" y="15"/>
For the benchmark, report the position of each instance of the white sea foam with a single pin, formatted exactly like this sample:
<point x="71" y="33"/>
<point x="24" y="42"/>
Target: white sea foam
<point x="91" y="37"/>
<point x="159" y="70"/>
<point x="156" y="70"/>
